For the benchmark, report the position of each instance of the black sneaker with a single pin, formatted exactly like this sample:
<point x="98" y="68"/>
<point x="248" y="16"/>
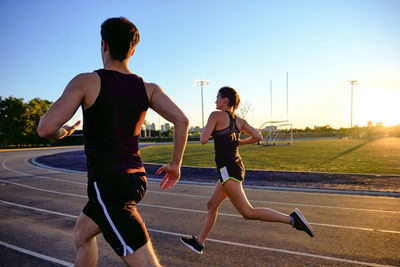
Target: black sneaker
<point x="300" y="223"/>
<point x="193" y="244"/>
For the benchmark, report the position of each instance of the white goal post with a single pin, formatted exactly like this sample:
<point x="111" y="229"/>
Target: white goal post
<point x="276" y="133"/>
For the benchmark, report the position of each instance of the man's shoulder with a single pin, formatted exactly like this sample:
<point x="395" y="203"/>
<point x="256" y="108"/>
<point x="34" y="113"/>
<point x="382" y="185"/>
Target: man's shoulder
<point x="85" y="80"/>
<point x="151" y="89"/>
<point x="151" y="86"/>
<point x="86" y="77"/>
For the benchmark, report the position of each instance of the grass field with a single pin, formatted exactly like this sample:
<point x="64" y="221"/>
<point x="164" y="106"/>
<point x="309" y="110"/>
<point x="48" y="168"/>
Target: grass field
<point x="380" y="156"/>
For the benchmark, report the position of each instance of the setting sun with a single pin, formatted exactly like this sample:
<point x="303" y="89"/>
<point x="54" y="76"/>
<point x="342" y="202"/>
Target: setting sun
<point x="376" y="105"/>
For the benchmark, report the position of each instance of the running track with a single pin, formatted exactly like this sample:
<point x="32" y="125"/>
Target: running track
<point x="38" y="209"/>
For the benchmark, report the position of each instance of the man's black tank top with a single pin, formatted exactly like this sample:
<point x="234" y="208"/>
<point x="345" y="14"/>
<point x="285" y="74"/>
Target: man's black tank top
<point x="112" y="125"/>
<point x="226" y="143"/>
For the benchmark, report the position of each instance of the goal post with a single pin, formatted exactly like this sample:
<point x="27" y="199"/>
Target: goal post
<point x="277" y="133"/>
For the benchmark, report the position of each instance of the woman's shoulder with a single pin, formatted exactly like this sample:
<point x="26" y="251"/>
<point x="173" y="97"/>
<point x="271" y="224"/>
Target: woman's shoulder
<point x="217" y="114"/>
<point x="239" y="122"/>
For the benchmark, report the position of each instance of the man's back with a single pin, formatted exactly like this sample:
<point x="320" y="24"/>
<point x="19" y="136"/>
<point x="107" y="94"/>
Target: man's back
<point x="113" y="122"/>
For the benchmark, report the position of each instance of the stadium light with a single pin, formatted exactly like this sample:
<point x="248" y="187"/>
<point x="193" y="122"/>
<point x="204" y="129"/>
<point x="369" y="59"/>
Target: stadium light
<point x="201" y="83"/>
<point x="353" y="82"/>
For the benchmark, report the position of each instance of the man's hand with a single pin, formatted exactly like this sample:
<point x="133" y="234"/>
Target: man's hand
<point x="65" y="131"/>
<point x="171" y="178"/>
<point x="71" y="129"/>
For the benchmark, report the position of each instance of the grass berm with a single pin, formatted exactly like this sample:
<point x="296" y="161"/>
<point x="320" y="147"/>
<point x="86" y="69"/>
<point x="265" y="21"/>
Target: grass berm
<point x="379" y="156"/>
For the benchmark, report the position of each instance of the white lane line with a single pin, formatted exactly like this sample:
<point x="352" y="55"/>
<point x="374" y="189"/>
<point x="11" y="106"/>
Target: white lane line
<point x="61" y="148"/>
<point x="37" y="255"/>
<point x="233" y="215"/>
<point x="38" y="176"/>
<point x="314" y="191"/>
<point x="304" y="190"/>
<point x="40" y="189"/>
<point x="239" y="216"/>
<point x="37" y="209"/>
<point x="237" y="244"/>
<point x="201" y="196"/>
<point x="281" y="203"/>
<point x="277" y="250"/>
<point x="357" y="228"/>
<point x="299" y="253"/>
<point x="199" y="211"/>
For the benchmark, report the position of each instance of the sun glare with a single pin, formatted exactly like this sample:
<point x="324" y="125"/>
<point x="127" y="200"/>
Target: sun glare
<point x="377" y="105"/>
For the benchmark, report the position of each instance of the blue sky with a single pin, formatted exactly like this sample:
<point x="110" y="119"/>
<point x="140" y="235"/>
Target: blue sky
<point x="321" y="44"/>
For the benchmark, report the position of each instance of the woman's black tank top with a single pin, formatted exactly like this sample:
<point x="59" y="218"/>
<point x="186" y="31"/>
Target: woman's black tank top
<point x="226" y="143"/>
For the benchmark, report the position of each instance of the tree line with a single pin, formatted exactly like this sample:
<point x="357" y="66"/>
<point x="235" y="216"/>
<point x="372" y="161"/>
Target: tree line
<point x="18" y="121"/>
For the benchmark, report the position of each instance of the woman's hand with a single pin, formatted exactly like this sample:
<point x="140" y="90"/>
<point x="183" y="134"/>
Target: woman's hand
<point x="255" y="135"/>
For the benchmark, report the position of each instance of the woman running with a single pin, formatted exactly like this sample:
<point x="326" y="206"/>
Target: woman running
<point x="225" y="127"/>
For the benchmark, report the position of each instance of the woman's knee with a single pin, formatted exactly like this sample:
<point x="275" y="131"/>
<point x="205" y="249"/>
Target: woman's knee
<point x="247" y="214"/>
<point x="212" y="206"/>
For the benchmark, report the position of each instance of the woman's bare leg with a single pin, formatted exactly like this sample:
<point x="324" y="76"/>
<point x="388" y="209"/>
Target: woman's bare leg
<point x="213" y="204"/>
<point x="238" y="198"/>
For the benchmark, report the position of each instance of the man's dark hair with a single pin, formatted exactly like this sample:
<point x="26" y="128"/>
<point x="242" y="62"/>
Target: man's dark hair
<point x="232" y="95"/>
<point x="121" y="35"/>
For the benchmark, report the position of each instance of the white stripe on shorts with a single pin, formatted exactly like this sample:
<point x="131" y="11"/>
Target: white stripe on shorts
<point x="224" y="174"/>
<point x="126" y="247"/>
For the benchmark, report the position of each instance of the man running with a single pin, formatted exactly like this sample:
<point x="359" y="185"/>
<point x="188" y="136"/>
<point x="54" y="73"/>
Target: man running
<point x="114" y="103"/>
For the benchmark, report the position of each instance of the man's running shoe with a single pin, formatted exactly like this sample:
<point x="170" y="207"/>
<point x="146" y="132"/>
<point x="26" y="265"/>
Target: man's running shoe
<point x="300" y="223"/>
<point x="193" y="244"/>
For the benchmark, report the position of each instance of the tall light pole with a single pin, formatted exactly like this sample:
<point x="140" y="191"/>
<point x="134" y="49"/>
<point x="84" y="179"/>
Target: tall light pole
<point x="352" y="84"/>
<point x="201" y="83"/>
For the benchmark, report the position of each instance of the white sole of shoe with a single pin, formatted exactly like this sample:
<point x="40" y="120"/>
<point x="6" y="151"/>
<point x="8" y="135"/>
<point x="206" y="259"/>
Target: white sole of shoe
<point x="304" y="221"/>
<point x="189" y="246"/>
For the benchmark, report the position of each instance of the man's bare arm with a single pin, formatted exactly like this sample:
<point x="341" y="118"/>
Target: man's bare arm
<point x="164" y="106"/>
<point x="51" y="125"/>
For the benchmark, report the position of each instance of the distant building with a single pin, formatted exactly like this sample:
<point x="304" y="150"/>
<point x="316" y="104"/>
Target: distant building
<point x="165" y="127"/>
<point x="195" y="129"/>
<point x="322" y="127"/>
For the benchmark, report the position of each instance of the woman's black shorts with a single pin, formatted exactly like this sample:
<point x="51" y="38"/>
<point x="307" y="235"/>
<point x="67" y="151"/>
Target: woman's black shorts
<point x="232" y="169"/>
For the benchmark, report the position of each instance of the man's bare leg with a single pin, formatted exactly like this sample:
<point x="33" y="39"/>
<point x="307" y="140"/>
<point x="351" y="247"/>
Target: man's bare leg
<point x="85" y="241"/>
<point x="144" y="256"/>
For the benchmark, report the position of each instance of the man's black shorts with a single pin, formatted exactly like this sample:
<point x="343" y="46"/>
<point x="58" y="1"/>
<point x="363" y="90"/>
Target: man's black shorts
<point x="112" y="206"/>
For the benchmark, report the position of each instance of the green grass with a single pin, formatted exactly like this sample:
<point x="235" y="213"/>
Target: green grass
<point x="380" y="156"/>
